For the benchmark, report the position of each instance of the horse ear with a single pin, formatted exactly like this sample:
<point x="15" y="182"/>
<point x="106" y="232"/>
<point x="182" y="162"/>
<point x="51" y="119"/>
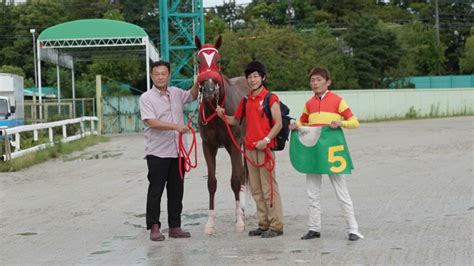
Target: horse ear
<point x="218" y="42"/>
<point x="197" y="41"/>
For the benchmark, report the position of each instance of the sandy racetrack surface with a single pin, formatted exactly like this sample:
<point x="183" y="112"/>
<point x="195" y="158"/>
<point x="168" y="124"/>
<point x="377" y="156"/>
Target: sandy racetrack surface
<point x="412" y="190"/>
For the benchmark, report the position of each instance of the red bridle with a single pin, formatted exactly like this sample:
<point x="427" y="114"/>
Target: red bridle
<point x="209" y="67"/>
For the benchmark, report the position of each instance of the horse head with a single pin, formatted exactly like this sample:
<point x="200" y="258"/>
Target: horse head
<point x="210" y="78"/>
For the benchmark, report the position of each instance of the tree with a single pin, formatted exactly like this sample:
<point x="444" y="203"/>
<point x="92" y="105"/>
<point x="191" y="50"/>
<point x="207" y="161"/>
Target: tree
<point x="214" y="26"/>
<point x="374" y="51"/>
<point x="421" y="55"/>
<point x="12" y="70"/>
<point x="143" y="13"/>
<point x="230" y="13"/>
<point x="82" y="9"/>
<point x="287" y="54"/>
<point x="466" y="62"/>
<point x="34" y="14"/>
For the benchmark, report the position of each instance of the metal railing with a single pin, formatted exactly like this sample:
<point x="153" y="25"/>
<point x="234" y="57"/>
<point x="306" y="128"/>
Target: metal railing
<point x="52" y="109"/>
<point x="9" y="133"/>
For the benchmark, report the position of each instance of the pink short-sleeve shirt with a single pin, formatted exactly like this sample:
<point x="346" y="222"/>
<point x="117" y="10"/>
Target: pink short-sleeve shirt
<point x="165" y="107"/>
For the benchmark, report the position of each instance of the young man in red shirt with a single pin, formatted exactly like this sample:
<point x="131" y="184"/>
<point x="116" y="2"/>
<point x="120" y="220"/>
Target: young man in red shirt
<point x="259" y="138"/>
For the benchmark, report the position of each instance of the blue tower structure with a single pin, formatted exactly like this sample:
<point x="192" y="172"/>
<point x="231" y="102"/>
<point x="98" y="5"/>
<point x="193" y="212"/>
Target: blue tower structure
<point x="180" y="20"/>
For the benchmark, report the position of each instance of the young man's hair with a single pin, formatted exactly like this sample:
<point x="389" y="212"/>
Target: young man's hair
<point x="320" y="71"/>
<point x="161" y="63"/>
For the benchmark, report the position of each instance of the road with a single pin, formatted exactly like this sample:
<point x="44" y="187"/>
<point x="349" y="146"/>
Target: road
<point x="412" y="189"/>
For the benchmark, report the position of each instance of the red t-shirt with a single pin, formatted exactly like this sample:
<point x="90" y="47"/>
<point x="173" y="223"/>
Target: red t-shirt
<point x="258" y="125"/>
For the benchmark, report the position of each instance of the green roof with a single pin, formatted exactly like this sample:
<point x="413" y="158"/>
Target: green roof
<point x="92" y="29"/>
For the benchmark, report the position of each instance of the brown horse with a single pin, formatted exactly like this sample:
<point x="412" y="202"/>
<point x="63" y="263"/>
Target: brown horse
<point x="215" y="89"/>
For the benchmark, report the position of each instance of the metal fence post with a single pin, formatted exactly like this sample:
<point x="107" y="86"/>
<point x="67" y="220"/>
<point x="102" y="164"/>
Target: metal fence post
<point x="98" y="96"/>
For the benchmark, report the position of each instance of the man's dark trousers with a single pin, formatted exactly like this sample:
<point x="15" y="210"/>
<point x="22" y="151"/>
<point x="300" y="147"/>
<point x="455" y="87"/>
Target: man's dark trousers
<point x="161" y="172"/>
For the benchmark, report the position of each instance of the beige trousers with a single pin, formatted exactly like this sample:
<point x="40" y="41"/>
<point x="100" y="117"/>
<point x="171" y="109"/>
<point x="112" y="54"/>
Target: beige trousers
<point x="259" y="180"/>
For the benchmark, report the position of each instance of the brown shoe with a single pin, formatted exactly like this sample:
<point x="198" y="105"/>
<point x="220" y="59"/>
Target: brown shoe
<point x="177" y="232"/>
<point x="155" y="234"/>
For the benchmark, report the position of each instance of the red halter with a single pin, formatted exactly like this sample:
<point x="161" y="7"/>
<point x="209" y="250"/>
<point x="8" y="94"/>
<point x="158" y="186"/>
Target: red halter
<point x="209" y="67"/>
<point x="209" y="64"/>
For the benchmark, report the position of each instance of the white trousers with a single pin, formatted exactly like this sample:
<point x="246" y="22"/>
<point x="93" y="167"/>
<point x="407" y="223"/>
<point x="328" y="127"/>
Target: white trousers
<point x="313" y="188"/>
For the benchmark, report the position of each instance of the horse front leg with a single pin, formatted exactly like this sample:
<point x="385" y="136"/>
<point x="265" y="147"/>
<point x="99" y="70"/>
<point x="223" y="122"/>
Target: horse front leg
<point x="236" y="181"/>
<point x="210" y="156"/>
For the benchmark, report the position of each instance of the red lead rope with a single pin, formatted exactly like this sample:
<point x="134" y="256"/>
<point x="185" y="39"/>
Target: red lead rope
<point x="206" y="120"/>
<point x="185" y="154"/>
<point x="268" y="162"/>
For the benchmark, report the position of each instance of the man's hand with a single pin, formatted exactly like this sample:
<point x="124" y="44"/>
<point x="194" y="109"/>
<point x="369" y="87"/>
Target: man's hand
<point x="261" y="144"/>
<point x="293" y="126"/>
<point x="220" y="111"/>
<point x="182" y="129"/>
<point x="335" y="124"/>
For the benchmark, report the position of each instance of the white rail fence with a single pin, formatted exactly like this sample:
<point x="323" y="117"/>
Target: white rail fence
<point x="8" y="133"/>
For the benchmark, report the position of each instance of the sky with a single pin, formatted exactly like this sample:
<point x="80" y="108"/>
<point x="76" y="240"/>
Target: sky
<point x="212" y="3"/>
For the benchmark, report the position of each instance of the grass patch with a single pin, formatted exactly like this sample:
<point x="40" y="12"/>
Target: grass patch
<point x="56" y="151"/>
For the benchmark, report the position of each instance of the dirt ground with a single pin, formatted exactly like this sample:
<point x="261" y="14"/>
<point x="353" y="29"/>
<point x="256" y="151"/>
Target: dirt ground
<point x="412" y="190"/>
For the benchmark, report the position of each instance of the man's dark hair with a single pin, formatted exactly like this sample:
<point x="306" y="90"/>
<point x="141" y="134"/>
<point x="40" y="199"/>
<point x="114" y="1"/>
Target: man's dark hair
<point x="161" y="63"/>
<point x="320" y="71"/>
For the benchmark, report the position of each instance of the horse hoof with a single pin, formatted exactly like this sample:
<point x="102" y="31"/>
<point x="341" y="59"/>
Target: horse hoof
<point x="209" y="230"/>
<point x="240" y="228"/>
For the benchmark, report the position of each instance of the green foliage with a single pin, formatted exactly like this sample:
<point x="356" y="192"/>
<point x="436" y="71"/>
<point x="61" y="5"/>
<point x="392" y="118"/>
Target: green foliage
<point x="466" y="62"/>
<point x="12" y="70"/>
<point x="50" y="75"/>
<point x="374" y="51"/>
<point x="214" y="26"/>
<point x="289" y="36"/>
<point x="81" y="9"/>
<point x="143" y="13"/>
<point x="421" y="54"/>
<point x="16" y="48"/>
<point x="114" y="14"/>
<point x="128" y="71"/>
<point x="412" y="113"/>
<point x="297" y="51"/>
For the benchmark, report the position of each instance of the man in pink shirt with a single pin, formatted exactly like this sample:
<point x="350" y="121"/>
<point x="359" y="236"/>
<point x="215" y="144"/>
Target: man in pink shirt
<point x="161" y="109"/>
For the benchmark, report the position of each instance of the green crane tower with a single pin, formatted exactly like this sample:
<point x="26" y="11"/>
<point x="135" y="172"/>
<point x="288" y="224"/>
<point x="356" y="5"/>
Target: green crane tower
<point x="180" y="21"/>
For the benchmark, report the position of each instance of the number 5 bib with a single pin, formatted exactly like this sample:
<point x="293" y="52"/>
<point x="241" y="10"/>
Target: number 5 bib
<point x="320" y="150"/>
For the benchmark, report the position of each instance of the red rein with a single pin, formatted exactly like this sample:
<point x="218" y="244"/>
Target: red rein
<point x="268" y="162"/>
<point x="186" y="154"/>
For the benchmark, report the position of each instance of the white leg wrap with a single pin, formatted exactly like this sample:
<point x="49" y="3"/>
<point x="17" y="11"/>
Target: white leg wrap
<point x="211" y="222"/>
<point x="239" y="215"/>
<point x="242" y="197"/>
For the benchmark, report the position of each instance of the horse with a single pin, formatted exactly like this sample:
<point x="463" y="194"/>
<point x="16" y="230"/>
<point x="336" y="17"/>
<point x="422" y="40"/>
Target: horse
<point x="216" y="89"/>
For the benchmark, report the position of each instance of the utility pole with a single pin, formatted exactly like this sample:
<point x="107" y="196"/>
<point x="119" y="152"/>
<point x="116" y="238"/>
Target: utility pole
<point x="437" y="21"/>
<point x="32" y="31"/>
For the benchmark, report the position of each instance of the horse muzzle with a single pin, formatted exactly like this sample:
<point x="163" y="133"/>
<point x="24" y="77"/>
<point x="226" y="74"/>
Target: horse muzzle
<point x="209" y="89"/>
